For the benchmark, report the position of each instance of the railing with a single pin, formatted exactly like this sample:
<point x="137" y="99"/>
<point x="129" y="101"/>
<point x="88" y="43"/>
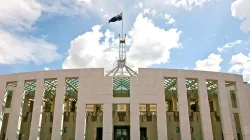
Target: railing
<point x="148" y="116"/>
<point x="172" y="116"/>
<point x="94" y="116"/>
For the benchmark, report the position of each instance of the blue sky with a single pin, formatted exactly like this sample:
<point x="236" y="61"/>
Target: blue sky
<point x="212" y="35"/>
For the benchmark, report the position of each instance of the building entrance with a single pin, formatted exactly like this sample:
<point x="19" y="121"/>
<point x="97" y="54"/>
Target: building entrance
<point x="99" y="133"/>
<point x="121" y="133"/>
<point x="143" y="133"/>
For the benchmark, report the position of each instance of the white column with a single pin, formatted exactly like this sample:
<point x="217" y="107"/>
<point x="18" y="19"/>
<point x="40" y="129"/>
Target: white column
<point x="81" y="112"/>
<point x="243" y="105"/>
<point x="58" y="109"/>
<point x="107" y="121"/>
<point x="232" y="115"/>
<point x="183" y="109"/>
<point x="204" y="110"/>
<point x="134" y="121"/>
<point x="80" y="120"/>
<point x="224" y="111"/>
<point x="2" y="93"/>
<point x="161" y="121"/>
<point x="14" y="122"/>
<point x="37" y="111"/>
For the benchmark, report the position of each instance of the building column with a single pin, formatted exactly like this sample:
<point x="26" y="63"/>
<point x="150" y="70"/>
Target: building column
<point x="232" y="115"/>
<point x="80" y="128"/>
<point x="183" y="109"/>
<point x="2" y="96"/>
<point x="107" y="121"/>
<point x="80" y="120"/>
<point x="162" y="121"/>
<point x="244" y="111"/>
<point x="224" y="111"/>
<point x="134" y="121"/>
<point x="58" y="109"/>
<point x="35" y="126"/>
<point x="15" y="117"/>
<point x="206" y="123"/>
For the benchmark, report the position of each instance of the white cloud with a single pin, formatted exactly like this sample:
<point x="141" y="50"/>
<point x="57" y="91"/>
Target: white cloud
<point x="186" y="4"/>
<point x="16" y="16"/>
<point x="239" y="58"/>
<point x="97" y="49"/>
<point x="105" y="16"/>
<point x="46" y="68"/>
<point x="87" y="51"/>
<point x="140" y="5"/>
<point x="186" y="68"/>
<point x="150" y="46"/>
<point x="19" y="14"/>
<point x="149" y="11"/>
<point x="16" y="49"/>
<point x="84" y="7"/>
<point x="169" y="19"/>
<point x="84" y="1"/>
<point x="229" y="45"/>
<point x="235" y="68"/>
<point x="240" y="9"/>
<point x="241" y="64"/>
<point x="212" y="63"/>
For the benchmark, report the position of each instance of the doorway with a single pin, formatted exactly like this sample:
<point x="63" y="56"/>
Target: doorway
<point x="121" y="133"/>
<point x="99" y="133"/>
<point x="143" y="133"/>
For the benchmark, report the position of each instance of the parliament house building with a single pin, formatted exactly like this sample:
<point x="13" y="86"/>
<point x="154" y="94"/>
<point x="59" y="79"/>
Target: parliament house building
<point x="156" y="104"/>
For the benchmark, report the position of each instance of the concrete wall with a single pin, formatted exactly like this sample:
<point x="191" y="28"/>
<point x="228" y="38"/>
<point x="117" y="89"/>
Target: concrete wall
<point x="147" y="88"/>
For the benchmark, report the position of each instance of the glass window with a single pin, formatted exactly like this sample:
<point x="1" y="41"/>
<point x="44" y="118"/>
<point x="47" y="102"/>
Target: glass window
<point x="191" y="130"/>
<point x="142" y="107"/>
<point x="124" y="132"/>
<point x="177" y="130"/>
<point x="90" y="108"/>
<point x="121" y="107"/>
<point x="118" y="132"/>
<point x="152" y="107"/>
<point x="65" y="130"/>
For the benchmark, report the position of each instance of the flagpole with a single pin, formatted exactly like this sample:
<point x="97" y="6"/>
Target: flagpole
<point x="122" y="39"/>
<point x="122" y="35"/>
<point x="122" y="25"/>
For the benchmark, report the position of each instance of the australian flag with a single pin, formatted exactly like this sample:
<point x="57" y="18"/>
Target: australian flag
<point x="116" y="18"/>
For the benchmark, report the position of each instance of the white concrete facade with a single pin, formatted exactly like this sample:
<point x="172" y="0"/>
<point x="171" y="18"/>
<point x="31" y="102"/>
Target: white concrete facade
<point x="146" y="88"/>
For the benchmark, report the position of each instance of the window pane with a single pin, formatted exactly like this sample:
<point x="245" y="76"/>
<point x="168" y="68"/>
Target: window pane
<point x="118" y="132"/>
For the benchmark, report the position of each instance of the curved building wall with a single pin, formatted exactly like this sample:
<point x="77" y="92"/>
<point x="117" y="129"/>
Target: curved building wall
<point x="146" y="88"/>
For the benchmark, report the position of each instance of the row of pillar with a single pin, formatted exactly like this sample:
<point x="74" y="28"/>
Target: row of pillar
<point x="14" y="118"/>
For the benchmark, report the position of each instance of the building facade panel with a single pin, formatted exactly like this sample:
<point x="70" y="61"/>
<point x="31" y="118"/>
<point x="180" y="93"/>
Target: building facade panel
<point x="244" y="111"/>
<point x="58" y="109"/>
<point x="2" y="94"/>
<point x="204" y="110"/>
<point x="183" y="109"/>
<point x="225" y="111"/>
<point x="13" y="128"/>
<point x="134" y="121"/>
<point x="161" y="121"/>
<point x="140" y="118"/>
<point x="107" y="121"/>
<point x="37" y="109"/>
<point x="81" y="112"/>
